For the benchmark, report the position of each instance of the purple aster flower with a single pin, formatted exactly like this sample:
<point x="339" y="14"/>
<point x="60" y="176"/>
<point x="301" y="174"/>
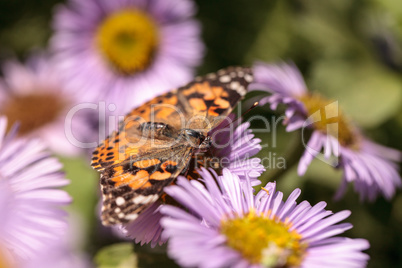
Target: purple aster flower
<point x="62" y="254"/>
<point x="227" y="226"/>
<point x="334" y="139"/>
<point x="32" y="221"/>
<point x="127" y="51"/>
<point x="233" y="147"/>
<point x="59" y="257"/>
<point x="34" y="96"/>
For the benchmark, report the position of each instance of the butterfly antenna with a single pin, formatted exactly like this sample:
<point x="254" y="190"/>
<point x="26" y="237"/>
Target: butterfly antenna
<point x="248" y="110"/>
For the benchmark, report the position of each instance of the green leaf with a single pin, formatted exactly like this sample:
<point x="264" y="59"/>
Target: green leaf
<point x="117" y="256"/>
<point x="25" y="34"/>
<point x="83" y="189"/>
<point x="275" y="38"/>
<point x="366" y="92"/>
<point x="394" y="8"/>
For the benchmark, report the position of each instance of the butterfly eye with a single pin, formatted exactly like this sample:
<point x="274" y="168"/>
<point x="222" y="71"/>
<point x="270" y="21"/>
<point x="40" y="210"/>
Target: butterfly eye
<point x="191" y="133"/>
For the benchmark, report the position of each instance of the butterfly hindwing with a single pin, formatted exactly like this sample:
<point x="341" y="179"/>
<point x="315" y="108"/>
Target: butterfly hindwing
<point x="130" y="188"/>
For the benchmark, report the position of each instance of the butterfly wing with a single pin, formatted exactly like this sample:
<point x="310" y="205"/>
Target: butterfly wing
<point x="129" y="188"/>
<point x="210" y="99"/>
<point x="135" y="167"/>
<point x="201" y="104"/>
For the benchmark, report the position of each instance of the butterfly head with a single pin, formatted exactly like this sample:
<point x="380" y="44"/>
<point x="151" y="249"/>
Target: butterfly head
<point x="196" y="138"/>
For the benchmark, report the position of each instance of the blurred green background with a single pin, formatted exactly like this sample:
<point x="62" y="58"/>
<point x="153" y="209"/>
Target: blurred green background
<point x="349" y="50"/>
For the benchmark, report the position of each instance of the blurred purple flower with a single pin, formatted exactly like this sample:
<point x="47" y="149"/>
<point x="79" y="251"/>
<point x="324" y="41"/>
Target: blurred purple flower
<point x="32" y="220"/>
<point x="226" y="226"/>
<point x="34" y="96"/>
<point x="60" y="258"/>
<point x="126" y="51"/>
<point x="368" y="165"/>
<point x="236" y="144"/>
<point x="64" y="254"/>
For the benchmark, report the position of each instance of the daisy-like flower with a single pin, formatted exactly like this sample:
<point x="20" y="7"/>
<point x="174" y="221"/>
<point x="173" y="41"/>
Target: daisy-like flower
<point x="59" y="257"/>
<point x="232" y="147"/>
<point x="65" y="253"/>
<point x="34" y="96"/>
<point x="32" y="220"/>
<point x="334" y="139"/>
<point x="227" y="226"/>
<point x="127" y="51"/>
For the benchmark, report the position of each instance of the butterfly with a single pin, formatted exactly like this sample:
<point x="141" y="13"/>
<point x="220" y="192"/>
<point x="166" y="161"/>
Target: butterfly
<point x="155" y="142"/>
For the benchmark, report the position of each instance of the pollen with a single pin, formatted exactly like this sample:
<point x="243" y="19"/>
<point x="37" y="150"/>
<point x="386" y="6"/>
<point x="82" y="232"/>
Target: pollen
<point x="328" y="118"/>
<point x="265" y="241"/>
<point x="128" y="40"/>
<point x="33" y="111"/>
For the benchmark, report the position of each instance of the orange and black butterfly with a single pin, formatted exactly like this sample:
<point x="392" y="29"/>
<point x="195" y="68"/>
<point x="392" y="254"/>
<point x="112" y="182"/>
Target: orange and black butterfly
<point x="155" y="142"/>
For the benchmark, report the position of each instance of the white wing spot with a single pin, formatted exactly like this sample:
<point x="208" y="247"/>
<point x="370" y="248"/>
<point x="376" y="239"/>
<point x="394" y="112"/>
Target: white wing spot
<point x="117" y="210"/>
<point x="221" y="72"/>
<point x="120" y="201"/>
<point x="141" y="199"/>
<point x="238" y="88"/>
<point x="131" y="217"/>
<point x="234" y="85"/>
<point x="211" y="76"/>
<point x="153" y="198"/>
<point x="138" y="199"/>
<point x="120" y="215"/>
<point x="225" y="79"/>
<point x="241" y="90"/>
<point x="249" y="78"/>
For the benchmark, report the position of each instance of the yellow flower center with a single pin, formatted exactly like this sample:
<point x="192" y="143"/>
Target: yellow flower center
<point x="4" y="261"/>
<point x="32" y="111"/>
<point x="128" y="40"/>
<point x="264" y="241"/>
<point x="329" y="119"/>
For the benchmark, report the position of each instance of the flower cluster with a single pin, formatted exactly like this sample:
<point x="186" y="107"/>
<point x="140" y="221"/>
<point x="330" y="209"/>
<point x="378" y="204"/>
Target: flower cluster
<point x="35" y="96"/>
<point x="227" y="226"/>
<point x="371" y="167"/>
<point x="33" y="224"/>
<point x="108" y="57"/>
<point x="238" y="147"/>
<point x="126" y="51"/>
